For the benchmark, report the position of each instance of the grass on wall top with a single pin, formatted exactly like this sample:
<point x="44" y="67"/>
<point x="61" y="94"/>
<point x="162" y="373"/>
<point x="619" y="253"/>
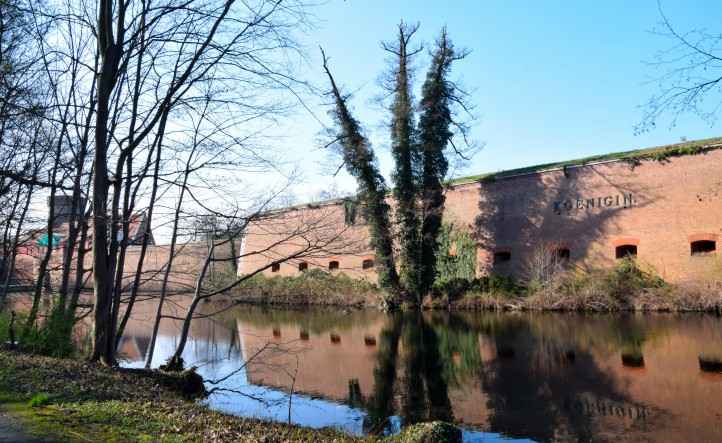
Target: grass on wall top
<point x="635" y="157"/>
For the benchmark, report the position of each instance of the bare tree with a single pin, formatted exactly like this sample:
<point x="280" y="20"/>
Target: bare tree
<point x="298" y="236"/>
<point x="23" y="137"/>
<point x="125" y="77"/>
<point x="688" y="75"/>
<point x="154" y="60"/>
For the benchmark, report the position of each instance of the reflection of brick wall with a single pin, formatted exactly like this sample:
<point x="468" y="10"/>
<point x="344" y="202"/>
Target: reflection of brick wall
<point x="590" y="210"/>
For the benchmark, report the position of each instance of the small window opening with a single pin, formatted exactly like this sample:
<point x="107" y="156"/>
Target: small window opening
<point x="633" y="360"/>
<point x="562" y="254"/>
<point x="702" y="247"/>
<point x="370" y="340"/>
<point x="367" y="264"/>
<point x="303" y="335"/>
<point x="332" y="265"/>
<point x="505" y="351"/>
<point x="277" y="332"/>
<point x="303" y="266"/>
<point x="275" y="267"/>
<point x="501" y="257"/>
<point x="335" y="339"/>
<point x="624" y="251"/>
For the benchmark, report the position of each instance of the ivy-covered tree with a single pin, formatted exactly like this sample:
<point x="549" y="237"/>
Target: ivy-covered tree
<point x="439" y="94"/>
<point x="406" y="156"/>
<point x="421" y="164"/>
<point x="360" y="162"/>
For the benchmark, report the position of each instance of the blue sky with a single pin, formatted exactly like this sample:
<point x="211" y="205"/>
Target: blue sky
<point x="551" y="80"/>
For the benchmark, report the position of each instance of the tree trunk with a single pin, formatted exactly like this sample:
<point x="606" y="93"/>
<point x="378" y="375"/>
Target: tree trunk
<point x="103" y="349"/>
<point x="176" y="361"/>
<point x="110" y="51"/>
<point x="146" y="234"/>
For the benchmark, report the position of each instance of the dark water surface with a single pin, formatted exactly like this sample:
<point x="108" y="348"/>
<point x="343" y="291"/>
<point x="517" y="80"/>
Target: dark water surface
<point x="542" y="377"/>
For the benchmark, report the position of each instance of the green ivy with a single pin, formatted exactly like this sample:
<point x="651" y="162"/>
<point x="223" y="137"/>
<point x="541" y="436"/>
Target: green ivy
<point x="461" y="265"/>
<point x="350" y="208"/>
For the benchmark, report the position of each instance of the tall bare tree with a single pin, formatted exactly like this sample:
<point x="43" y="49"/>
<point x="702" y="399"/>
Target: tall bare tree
<point x="688" y="74"/>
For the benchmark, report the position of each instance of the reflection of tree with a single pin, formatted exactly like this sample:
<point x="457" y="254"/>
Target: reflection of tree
<point x="543" y="383"/>
<point x="412" y="400"/>
<point x="427" y="394"/>
<point x="424" y="391"/>
<point x="380" y="405"/>
<point x="458" y="348"/>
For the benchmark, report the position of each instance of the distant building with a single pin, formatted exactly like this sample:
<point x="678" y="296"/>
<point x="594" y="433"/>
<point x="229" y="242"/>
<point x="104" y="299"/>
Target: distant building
<point x="188" y="259"/>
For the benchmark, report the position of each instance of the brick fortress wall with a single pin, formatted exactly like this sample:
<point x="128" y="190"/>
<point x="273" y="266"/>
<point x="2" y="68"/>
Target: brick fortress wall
<point x="662" y="209"/>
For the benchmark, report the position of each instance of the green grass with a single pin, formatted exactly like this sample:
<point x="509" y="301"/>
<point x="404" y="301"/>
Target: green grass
<point x="41" y="399"/>
<point x="81" y="402"/>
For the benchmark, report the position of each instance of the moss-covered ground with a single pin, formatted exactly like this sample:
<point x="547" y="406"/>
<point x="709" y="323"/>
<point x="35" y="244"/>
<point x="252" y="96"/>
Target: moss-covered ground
<point x="69" y="400"/>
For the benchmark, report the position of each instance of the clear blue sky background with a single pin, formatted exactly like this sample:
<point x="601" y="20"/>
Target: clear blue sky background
<point x="551" y="80"/>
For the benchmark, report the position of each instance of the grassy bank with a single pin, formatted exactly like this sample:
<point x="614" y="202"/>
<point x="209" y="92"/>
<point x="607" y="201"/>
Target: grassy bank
<point x="74" y="401"/>
<point x="314" y="287"/>
<point x="627" y="286"/>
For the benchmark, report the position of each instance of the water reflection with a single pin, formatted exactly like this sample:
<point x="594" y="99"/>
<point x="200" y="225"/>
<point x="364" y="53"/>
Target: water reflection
<point x="534" y="376"/>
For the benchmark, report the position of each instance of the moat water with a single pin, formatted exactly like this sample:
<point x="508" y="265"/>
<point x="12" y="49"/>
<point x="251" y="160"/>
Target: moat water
<point x="500" y="376"/>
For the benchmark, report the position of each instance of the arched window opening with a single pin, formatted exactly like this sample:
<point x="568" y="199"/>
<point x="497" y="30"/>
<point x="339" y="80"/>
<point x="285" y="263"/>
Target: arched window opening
<point x="624" y="251"/>
<point x="275" y="267"/>
<point x="370" y="340"/>
<point x="703" y="247"/>
<point x="303" y="335"/>
<point x="277" y="332"/>
<point x="367" y="264"/>
<point x="633" y="359"/>
<point x="502" y="257"/>
<point x="335" y="339"/>
<point x="333" y="265"/>
<point x="303" y="266"/>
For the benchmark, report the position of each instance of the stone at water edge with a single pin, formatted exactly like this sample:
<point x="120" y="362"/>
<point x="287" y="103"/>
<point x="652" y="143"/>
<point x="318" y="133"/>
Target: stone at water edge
<point x="432" y="432"/>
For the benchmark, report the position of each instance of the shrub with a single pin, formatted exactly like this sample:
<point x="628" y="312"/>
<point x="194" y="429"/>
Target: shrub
<point x="430" y="432"/>
<point x="597" y="290"/>
<point x="628" y="278"/>
<point x="4" y="327"/>
<point x="488" y="284"/>
<point x="38" y="400"/>
<point x="313" y="286"/>
<point x="54" y="337"/>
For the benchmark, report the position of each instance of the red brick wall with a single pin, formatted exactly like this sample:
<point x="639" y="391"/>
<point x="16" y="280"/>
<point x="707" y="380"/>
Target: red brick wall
<point x="187" y="264"/>
<point x="315" y="235"/>
<point x="658" y="206"/>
